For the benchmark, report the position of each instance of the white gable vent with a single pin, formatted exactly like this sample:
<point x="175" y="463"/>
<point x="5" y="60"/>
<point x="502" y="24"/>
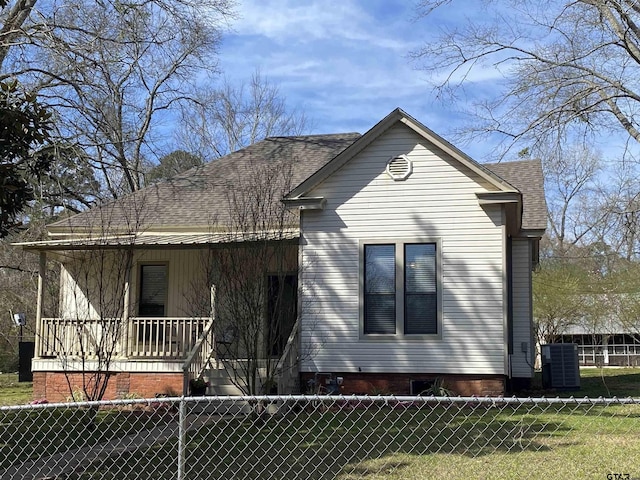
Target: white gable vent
<point x="399" y="168"/>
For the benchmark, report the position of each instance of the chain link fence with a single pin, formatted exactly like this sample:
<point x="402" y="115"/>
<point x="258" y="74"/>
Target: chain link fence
<point x="317" y="437"/>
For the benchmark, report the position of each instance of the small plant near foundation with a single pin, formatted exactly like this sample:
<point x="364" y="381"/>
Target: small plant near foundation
<point x="77" y="395"/>
<point x="379" y="391"/>
<point x="198" y="386"/>
<point x="438" y="389"/>
<point x="129" y="396"/>
<point x="170" y="392"/>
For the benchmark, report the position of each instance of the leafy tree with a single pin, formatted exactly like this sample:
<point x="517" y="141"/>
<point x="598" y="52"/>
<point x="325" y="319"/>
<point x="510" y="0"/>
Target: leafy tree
<point x="559" y="298"/>
<point x="24" y="129"/>
<point x="171" y="165"/>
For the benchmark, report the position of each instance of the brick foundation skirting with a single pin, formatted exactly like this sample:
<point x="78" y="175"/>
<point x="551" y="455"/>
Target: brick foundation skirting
<point x="58" y="386"/>
<point x="55" y="386"/>
<point x="400" y="383"/>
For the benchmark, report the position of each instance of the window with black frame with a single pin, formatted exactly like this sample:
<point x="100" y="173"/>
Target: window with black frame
<point x="153" y="290"/>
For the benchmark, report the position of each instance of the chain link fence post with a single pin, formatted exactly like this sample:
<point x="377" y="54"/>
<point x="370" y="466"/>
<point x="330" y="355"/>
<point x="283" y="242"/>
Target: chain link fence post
<point x="182" y="438"/>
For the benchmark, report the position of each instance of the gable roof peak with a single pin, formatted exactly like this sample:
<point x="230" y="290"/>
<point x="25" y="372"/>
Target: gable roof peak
<point x="395" y="116"/>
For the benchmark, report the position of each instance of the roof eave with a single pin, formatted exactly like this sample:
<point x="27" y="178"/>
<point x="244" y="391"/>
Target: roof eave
<point x="512" y="203"/>
<point x="305" y="203"/>
<point x="489" y="198"/>
<point x="155" y="241"/>
<point x="532" y="232"/>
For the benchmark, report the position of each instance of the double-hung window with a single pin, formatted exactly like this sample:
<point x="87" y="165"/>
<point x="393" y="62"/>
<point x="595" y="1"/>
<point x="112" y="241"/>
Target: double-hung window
<point x="400" y="288"/>
<point x="380" y="289"/>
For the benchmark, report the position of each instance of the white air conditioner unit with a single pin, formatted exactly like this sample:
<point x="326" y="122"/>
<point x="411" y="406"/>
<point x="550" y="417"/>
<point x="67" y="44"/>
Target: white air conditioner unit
<point x="560" y="368"/>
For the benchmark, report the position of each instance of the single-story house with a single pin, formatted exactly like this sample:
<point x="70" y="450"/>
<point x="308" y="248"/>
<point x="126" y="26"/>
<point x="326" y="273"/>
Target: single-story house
<point x="363" y="263"/>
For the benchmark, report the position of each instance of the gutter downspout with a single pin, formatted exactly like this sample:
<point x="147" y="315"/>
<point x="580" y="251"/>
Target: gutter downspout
<point x="510" y="302"/>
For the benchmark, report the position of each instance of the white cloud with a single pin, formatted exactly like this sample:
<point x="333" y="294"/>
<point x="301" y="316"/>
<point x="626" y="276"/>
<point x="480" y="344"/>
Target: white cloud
<point x="284" y="20"/>
<point x="344" y="63"/>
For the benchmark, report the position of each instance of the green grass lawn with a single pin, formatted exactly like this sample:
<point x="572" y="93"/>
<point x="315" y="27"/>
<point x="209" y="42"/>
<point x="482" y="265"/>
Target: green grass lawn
<point x="595" y="382"/>
<point x="458" y="442"/>
<point x="13" y="392"/>
<point x="30" y="434"/>
<point x="609" y="382"/>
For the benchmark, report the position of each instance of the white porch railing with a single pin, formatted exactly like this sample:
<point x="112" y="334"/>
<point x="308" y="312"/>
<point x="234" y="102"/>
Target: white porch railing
<point x="287" y="369"/>
<point x="199" y="357"/>
<point x="139" y="337"/>
<point x="164" y="337"/>
<point x="81" y="338"/>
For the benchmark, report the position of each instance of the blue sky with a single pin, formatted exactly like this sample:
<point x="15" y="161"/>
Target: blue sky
<point x="346" y="63"/>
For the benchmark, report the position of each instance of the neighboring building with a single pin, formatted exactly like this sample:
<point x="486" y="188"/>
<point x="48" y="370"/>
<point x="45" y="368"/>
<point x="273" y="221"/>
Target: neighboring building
<point x="609" y="344"/>
<point x="409" y="261"/>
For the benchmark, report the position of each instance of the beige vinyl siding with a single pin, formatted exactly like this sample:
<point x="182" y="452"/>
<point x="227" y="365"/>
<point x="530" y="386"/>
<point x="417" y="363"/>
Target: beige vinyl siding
<point x="522" y="309"/>
<point x="188" y="294"/>
<point x="438" y="201"/>
<point x="89" y="286"/>
<point x="188" y="290"/>
<point x="75" y="301"/>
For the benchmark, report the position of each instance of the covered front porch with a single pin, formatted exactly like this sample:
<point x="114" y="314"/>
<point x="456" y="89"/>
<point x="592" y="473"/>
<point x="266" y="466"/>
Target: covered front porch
<point x="166" y="305"/>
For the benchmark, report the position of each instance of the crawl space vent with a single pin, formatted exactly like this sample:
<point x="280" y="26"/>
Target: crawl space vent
<point x="399" y="168"/>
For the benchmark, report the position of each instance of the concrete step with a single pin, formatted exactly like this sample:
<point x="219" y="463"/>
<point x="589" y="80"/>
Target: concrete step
<point x="221" y="406"/>
<point x="213" y="406"/>
<point x="227" y="389"/>
<point x="221" y="383"/>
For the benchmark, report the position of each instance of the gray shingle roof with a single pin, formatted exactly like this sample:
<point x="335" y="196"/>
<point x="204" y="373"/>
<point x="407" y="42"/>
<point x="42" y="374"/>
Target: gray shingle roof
<point x="200" y="197"/>
<point x="526" y="176"/>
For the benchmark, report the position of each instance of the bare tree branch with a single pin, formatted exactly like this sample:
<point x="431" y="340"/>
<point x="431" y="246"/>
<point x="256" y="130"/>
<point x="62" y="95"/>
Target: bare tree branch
<point x="560" y="67"/>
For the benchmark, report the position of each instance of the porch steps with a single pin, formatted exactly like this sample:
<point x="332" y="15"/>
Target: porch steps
<point x="220" y="382"/>
<point x="221" y="385"/>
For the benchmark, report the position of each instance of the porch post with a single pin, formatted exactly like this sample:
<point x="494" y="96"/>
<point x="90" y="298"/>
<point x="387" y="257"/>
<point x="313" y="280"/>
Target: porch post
<point x="42" y="271"/>
<point x="213" y="301"/>
<point x="213" y="330"/>
<point x="125" y="312"/>
<point x="605" y="349"/>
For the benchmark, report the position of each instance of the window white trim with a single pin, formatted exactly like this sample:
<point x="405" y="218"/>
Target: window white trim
<point x="400" y="300"/>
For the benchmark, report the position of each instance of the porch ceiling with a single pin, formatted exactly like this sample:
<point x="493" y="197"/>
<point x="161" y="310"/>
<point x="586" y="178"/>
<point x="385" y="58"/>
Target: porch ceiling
<point x="163" y="240"/>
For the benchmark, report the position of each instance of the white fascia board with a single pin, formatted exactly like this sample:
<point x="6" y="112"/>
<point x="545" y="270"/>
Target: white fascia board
<point x="491" y="198"/>
<point x="305" y="203"/>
